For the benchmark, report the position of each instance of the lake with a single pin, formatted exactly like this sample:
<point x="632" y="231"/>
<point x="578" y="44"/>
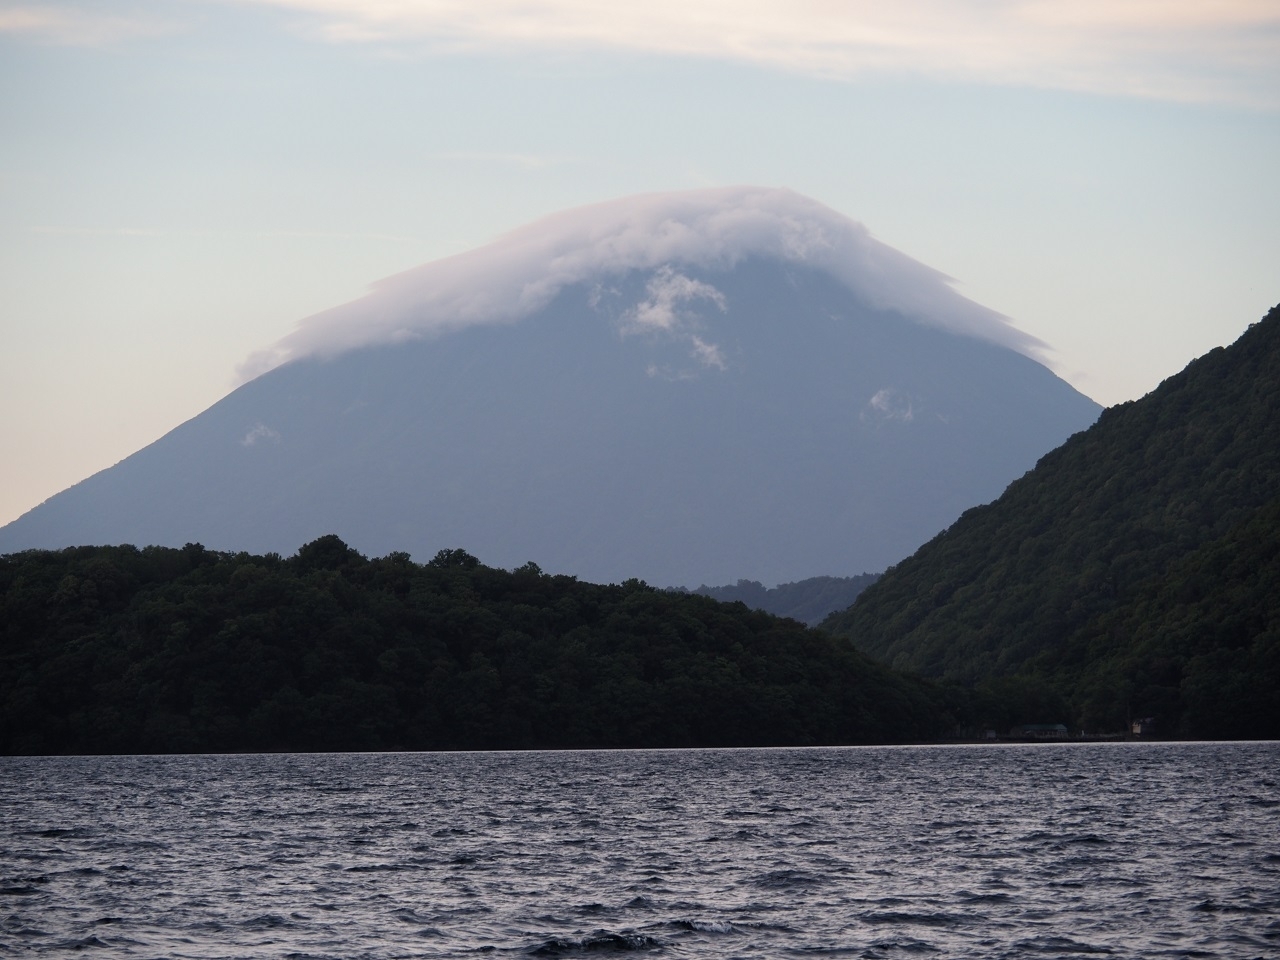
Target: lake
<point x="1054" y="850"/>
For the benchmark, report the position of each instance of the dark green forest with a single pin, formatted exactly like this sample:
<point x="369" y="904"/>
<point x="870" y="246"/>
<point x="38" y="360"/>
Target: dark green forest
<point x="125" y="650"/>
<point x="1134" y="573"/>
<point x="809" y="601"/>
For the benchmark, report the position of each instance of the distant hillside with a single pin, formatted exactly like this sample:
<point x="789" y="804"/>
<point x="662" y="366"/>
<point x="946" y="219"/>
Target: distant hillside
<point x="808" y="601"/>
<point x="160" y="650"/>
<point x="1134" y="571"/>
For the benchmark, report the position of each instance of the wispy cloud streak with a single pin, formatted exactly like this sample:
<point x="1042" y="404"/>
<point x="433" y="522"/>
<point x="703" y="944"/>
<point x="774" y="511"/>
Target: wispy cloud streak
<point x="1189" y="50"/>
<point x="154" y="232"/>
<point x="80" y="25"/>
<point x="1183" y="50"/>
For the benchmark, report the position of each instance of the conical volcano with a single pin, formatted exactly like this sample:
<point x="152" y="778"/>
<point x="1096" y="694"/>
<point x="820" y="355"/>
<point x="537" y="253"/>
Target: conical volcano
<point x="686" y="388"/>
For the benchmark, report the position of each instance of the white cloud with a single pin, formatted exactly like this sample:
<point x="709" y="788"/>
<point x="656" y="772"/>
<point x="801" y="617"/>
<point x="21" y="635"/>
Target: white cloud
<point x="890" y="404"/>
<point x="524" y="270"/>
<point x="1185" y="50"/>
<point x="259" y="432"/>
<point x="1172" y="49"/>
<point x="668" y="310"/>
<point x="708" y="354"/>
<point x="663" y="310"/>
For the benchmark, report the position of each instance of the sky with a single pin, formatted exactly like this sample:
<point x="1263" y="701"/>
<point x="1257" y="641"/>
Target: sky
<point x="183" y="181"/>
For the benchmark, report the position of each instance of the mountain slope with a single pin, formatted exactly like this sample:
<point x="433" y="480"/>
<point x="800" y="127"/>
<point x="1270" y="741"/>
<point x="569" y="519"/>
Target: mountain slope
<point x="689" y="389"/>
<point x="1135" y="567"/>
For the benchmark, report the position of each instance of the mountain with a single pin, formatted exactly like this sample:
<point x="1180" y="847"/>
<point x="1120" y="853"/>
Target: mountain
<point x="810" y="601"/>
<point x="687" y="388"/>
<point x="1135" y="573"/>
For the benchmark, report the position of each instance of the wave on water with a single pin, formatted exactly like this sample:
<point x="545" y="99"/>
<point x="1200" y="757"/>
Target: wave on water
<point x="1060" y="945"/>
<point x="596" y="943"/>
<point x="787" y="879"/>
<point x="705" y="926"/>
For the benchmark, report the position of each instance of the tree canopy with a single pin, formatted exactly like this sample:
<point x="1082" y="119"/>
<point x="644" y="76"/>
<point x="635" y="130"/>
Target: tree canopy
<point x="116" y="649"/>
<point x="1133" y="573"/>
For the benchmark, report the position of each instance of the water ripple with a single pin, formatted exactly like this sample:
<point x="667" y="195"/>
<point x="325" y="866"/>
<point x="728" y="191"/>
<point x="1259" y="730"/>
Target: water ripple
<point x="1138" y="851"/>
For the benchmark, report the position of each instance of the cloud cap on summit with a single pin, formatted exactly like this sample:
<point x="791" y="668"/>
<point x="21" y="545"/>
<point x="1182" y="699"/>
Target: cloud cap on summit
<point x="522" y="271"/>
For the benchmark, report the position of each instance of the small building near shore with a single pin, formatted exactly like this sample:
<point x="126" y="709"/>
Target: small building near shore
<point x="1039" y="731"/>
<point x="1144" y="727"/>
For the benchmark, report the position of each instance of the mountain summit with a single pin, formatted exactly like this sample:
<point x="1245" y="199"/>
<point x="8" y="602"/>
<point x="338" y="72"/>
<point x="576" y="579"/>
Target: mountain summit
<point x="688" y="388"/>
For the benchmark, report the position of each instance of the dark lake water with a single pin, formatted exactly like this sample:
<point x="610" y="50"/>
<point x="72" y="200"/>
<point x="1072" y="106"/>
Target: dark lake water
<point x="1127" y="850"/>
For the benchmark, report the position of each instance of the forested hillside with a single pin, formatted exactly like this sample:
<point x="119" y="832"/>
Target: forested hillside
<point x="1134" y="572"/>
<point x="809" y="601"/>
<point x="125" y="650"/>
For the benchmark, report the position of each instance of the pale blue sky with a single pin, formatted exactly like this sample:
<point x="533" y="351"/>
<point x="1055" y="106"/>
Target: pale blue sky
<point x="181" y="182"/>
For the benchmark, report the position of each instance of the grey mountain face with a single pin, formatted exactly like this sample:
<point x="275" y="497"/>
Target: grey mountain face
<point x="761" y="422"/>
